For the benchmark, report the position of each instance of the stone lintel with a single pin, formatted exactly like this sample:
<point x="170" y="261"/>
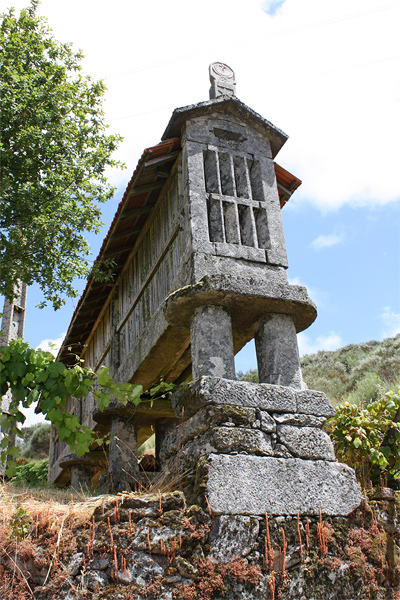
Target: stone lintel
<point x="213" y="390"/>
<point x="255" y="485"/>
<point x="261" y="396"/>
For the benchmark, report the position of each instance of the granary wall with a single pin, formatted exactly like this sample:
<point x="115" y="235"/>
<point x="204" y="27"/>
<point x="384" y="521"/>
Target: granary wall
<point x="156" y="268"/>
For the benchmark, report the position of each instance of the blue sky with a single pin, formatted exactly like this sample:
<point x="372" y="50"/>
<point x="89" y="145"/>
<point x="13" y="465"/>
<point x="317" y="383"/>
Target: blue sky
<point x="326" y="73"/>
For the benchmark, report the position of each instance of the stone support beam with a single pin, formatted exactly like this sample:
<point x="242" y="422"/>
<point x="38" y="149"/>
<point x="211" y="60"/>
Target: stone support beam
<point x="80" y="478"/>
<point x="122" y="459"/>
<point x="277" y="351"/>
<point x="212" y="343"/>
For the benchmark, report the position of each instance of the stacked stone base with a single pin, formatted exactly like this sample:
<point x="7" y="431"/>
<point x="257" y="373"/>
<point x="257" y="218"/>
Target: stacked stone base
<point x="248" y="449"/>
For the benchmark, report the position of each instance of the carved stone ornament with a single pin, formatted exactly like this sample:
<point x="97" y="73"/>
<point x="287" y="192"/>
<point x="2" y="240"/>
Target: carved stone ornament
<point x="221" y="72"/>
<point x="222" y="80"/>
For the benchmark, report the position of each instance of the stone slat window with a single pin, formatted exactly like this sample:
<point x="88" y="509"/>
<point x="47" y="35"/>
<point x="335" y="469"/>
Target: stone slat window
<point x="235" y="194"/>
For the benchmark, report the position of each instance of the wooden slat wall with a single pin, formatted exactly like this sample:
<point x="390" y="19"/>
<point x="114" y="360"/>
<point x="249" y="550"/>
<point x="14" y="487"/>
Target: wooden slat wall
<point x="153" y="270"/>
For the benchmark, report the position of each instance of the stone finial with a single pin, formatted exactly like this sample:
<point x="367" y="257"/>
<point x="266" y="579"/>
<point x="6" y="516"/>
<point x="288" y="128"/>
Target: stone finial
<point x="222" y="80"/>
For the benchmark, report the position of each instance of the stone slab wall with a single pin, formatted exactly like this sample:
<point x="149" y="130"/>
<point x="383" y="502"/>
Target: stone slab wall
<point x="255" y="448"/>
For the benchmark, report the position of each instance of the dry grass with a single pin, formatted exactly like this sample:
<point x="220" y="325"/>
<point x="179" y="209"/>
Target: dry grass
<point x="46" y="505"/>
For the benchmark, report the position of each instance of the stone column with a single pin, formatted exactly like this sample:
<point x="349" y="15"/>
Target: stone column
<point x="162" y="428"/>
<point x="212" y="343"/>
<point x="122" y="458"/>
<point x="80" y="478"/>
<point x="277" y="351"/>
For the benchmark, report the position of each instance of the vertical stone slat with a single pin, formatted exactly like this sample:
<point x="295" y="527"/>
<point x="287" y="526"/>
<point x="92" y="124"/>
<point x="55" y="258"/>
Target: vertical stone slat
<point x="211" y="172"/>
<point x="227" y="174"/>
<point x="247" y="226"/>
<point x="241" y="177"/>
<point x="231" y="222"/>
<point x="261" y="222"/>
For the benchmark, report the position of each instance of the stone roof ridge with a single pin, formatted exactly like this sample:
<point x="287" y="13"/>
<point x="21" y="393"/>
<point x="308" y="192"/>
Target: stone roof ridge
<point x="230" y="104"/>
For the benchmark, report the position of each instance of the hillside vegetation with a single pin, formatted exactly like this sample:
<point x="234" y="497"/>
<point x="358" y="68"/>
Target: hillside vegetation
<point x="357" y="373"/>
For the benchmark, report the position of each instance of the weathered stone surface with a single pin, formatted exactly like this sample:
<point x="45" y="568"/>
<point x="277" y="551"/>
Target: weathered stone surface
<point x="227" y="440"/>
<point x="75" y="564"/>
<point x="140" y="506"/>
<point x="140" y="569"/>
<point x="212" y="342"/>
<point x="93" y="579"/>
<point x="213" y="390"/>
<point x="280" y="451"/>
<point x="157" y="539"/>
<point x="277" y="352"/>
<point x="99" y="564"/>
<point x="299" y="420"/>
<point x="267" y="423"/>
<point x="203" y="420"/>
<point x="233" y="536"/>
<point x="254" y="485"/>
<point x="248" y="298"/>
<point x="306" y="442"/>
<point x="122" y="456"/>
<point x="80" y="478"/>
<point x="311" y="402"/>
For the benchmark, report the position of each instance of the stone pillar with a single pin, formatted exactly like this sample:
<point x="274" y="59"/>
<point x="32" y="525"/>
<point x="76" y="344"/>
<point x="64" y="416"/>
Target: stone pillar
<point x="162" y="428"/>
<point x="80" y="478"/>
<point x="122" y="459"/>
<point x="277" y="351"/>
<point x="212" y="343"/>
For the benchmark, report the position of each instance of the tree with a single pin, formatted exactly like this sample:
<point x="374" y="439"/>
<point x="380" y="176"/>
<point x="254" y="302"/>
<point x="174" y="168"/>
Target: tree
<point x="34" y="375"/>
<point x="53" y="156"/>
<point x="36" y="441"/>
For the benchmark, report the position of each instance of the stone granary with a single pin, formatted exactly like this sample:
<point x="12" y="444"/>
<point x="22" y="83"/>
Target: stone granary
<point x="200" y="270"/>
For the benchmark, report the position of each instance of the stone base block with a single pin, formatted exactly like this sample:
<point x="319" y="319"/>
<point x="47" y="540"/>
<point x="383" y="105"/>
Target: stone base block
<point x="254" y="485"/>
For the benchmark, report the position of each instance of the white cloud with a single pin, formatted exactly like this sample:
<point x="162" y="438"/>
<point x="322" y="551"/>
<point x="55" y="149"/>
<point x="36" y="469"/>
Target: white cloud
<point x="391" y="321"/>
<point x="324" y="72"/>
<point x="332" y="341"/>
<point x="51" y="345"/>
<point x="326" y="241"/>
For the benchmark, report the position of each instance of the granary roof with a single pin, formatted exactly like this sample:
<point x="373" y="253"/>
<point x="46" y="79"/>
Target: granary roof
<point x="140" y="196"/>
<point x="230" y="104"/>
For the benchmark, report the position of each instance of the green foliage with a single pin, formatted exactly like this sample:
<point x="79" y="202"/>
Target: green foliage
<point x="34" y="375"/>
<point x="33" y="473"/>
<point x="53" y="155"/>
<point x="368" y="439"/>
<point x="20" y="523"/>
<point x="250" y="375"/>
<point x="357" y="373"/>
<point x="37" y="441"/>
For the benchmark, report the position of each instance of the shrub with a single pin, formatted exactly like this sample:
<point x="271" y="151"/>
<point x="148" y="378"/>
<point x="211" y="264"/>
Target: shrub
<point x="33" y="473"/>
<point x="368" y="439"/>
